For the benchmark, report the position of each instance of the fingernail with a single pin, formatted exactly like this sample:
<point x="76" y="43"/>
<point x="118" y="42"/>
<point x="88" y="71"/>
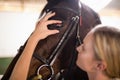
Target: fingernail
<point x="57" y="31"/>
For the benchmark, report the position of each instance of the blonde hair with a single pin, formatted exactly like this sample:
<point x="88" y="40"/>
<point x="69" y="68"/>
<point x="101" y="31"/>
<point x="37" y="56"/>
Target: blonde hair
<point x="107" y="48"/>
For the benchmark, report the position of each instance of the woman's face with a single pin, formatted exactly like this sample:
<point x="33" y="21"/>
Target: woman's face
<point x="85" y="59"/>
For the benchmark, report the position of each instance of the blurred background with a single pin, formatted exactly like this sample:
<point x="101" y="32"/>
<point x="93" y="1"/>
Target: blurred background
<point x="18" y="18"/>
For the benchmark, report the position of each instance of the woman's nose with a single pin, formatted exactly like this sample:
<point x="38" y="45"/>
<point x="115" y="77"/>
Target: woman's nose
<point x="78" y="49"/>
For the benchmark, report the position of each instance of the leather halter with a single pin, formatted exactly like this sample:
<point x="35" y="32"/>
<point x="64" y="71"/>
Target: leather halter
<point x="73" y="25"/>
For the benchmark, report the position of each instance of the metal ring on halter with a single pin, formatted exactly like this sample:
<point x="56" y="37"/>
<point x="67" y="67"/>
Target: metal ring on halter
<point x="50" y="68"/>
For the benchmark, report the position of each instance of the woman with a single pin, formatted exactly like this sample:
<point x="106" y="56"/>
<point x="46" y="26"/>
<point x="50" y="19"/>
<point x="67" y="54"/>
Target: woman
<point x="41" y="32"/>
<point x="99" y="55"/>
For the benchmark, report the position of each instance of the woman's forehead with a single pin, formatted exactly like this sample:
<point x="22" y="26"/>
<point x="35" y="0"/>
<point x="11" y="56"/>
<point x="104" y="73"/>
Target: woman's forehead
<point x="89" y="36"/>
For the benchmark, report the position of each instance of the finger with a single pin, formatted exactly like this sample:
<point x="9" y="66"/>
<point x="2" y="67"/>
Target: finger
<point x="43" y="15"/>
<point x="53" y="21"/>
<point x="48" y="16"/>
<point x="53" y="32"/>
<point x="41" y="18"/>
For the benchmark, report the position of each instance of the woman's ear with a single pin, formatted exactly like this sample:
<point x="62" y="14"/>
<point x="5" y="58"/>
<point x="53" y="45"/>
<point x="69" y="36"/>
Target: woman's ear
<point x="101" y="65"/>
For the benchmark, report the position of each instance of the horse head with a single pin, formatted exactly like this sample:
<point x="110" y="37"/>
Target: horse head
<point x="77" y="20"/>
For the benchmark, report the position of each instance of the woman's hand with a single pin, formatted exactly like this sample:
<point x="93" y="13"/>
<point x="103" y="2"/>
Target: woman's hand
<point x="41" y="31"/>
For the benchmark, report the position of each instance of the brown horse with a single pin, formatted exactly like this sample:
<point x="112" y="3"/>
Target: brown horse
<point x="58" y="51"/>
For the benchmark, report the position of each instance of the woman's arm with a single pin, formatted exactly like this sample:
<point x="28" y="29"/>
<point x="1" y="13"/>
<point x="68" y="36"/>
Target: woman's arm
<point x="41" y="31"/>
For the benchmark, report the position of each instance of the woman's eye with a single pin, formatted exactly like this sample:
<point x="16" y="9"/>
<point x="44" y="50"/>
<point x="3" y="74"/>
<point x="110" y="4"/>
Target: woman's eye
<point x="82" y="48"/>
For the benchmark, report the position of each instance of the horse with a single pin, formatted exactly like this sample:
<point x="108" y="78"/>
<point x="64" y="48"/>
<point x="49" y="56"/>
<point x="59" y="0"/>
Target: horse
<point x="54" y="57"/>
